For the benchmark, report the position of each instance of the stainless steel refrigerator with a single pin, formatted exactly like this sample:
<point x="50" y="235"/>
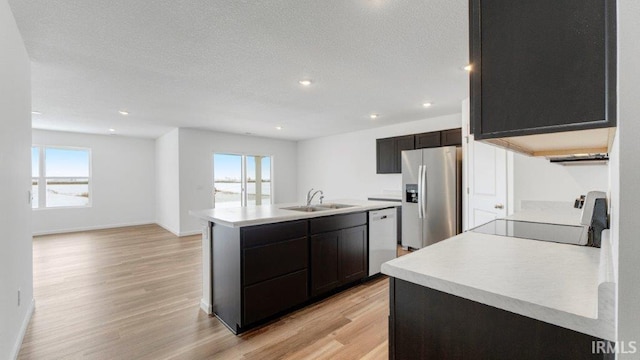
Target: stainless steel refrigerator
<point x="432" y="198"/>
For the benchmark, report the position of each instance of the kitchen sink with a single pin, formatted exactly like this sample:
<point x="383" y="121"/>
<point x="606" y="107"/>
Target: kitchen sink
<point x="305" y="208"/>
<point x="334" y="206"/>
<point x="321" y="207"/>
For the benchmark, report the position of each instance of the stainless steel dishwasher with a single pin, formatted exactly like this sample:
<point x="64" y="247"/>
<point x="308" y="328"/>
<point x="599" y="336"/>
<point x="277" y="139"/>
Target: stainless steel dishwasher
<point x="382" y="238"/>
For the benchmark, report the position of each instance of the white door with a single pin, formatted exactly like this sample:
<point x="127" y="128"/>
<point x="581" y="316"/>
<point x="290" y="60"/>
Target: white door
<point x="485" y="167"/>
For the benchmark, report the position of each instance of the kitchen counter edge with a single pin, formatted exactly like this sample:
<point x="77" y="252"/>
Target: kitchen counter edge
<point x="269" y="214"/>
<point x="601" y="325"/>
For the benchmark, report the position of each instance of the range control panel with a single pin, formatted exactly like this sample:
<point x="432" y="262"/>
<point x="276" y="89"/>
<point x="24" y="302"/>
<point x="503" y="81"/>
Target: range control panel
<point x="411" y="193"/>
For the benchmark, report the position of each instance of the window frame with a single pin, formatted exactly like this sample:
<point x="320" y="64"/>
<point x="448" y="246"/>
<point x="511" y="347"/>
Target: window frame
<point x="42" y="178"/>
<point x="244" y="195"/>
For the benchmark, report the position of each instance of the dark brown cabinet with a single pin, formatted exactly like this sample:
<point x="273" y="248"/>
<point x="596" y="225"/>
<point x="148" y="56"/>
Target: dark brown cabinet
<point x="451" y="137"/>
<point x="389" y="150"/>
<point x="325" y="272"/>
<point x="263" y="271"/>
<point x="338" y="252"/>
<point x="428" y="324"/>
<point x="353" y="254"/>
<point x="273" y="296"/>
<point x="274" y="269"/>
<point x="428" y="140"/>
<point x="542" y="66"/>
<point x="388" y="153"/>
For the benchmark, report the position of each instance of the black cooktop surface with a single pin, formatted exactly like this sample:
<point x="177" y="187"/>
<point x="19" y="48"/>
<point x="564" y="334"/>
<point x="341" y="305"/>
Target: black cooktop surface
<point x="566" y="234"/>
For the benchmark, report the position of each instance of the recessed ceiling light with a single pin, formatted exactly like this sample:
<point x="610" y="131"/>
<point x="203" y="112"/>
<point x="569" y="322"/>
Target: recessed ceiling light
<point x="374" y="116"/>
<point x="36" y="113"/>
<point x="123" y="112"/>
<point x="467" y="68"/>
<point x="278" y="127"/>
<point x="427" y="104"/>
<point x="112" y="130"/>
<point x="305" y="82"/>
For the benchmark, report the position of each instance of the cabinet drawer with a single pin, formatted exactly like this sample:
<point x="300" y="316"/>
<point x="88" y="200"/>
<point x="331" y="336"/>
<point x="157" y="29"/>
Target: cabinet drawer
<point x="273" y="296"/>
<point x="265" y="262"/>
<point x="428" y="140"/>
<point x="336" y="222"/>
<point x="267" y="234"/>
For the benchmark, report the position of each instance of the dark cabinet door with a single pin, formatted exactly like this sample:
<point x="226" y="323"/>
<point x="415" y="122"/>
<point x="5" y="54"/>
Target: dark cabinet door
<point x="389" y="153"/>
<point x="452" y="137"/>
<point x="385" y="155"/>
<point x="402" y="143"/>
<point x="325" y="272"/>
<point x="428" y="140"/>
<point x="542" y="66"/>
<point x="353" y="254"/>
<point x="338" y="258"/>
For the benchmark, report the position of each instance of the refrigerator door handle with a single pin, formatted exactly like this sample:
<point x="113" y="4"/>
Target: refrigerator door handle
<point x="423" y="189"/>
<point x="420" y="193"/>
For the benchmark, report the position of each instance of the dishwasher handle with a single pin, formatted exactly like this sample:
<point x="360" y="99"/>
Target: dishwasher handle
<point x="376" y="217"/>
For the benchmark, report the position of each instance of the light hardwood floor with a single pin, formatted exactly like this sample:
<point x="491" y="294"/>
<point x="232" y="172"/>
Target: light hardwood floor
<point x="133" y="293"/>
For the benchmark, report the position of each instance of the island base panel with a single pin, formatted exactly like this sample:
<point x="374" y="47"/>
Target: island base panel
<point x="226" y="275"/>
<point x="428" y="324"/>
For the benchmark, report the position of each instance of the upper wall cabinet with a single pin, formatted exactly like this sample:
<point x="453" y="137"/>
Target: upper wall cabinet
<point x="388" y="153"/>
<point x="389" y="150"/>
<point x="543" y="67"/>
<point x="451" y="137"/>
<point x="428" y="140"/>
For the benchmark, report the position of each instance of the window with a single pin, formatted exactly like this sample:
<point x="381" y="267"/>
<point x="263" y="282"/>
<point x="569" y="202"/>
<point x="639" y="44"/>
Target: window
<point x="60" y="177"/>
<point x="241" y="180"/>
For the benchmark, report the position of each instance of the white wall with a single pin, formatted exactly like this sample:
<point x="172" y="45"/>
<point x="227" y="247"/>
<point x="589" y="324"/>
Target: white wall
<point x="344" y="165"/>
<point x="122" y="183"/>
<point x="626" y="202"/>
<point x="196" y="168"/>
<point x="15" y="182"/>
<point x="538" y="179"/>
<point x="167" y="182"/>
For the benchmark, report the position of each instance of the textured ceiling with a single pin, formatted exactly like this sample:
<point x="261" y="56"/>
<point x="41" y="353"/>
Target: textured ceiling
<point x="234" y="65"/>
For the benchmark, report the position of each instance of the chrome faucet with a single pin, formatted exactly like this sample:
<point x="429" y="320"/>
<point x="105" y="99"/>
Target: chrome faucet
<point x="310" y="196"/>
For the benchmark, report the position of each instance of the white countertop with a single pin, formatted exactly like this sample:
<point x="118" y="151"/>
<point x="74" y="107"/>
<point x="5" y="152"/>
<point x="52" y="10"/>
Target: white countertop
<point x="567" y="216"/>
<point x="565" y="285"/>
<point x="266" y="214"/>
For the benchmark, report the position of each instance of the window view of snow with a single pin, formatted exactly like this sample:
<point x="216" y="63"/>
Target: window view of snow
<point x="61" y="175"/>
<point x="228" y="180"/>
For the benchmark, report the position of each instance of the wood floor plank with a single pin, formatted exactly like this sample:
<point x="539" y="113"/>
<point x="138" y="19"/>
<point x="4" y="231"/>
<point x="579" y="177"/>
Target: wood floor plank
<point x="134" y="293"/>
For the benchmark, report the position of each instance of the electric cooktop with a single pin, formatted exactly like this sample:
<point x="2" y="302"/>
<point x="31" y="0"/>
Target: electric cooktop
<point x="566" y="234"/>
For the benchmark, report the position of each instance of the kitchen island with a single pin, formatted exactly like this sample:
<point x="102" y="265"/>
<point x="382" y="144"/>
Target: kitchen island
<point x="478" y="296"/>
<point x="263" y="261"/>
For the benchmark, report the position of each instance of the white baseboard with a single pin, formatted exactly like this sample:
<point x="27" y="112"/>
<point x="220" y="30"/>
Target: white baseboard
<point x="189" y="233"/>
<point x="23" y="330"/>
<point x="180" y="234"/>
<point x="114" y="226"/>
<point x="89" y="228"/>
<point x="206" y="307"/>
<point x="168" y="229"/>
